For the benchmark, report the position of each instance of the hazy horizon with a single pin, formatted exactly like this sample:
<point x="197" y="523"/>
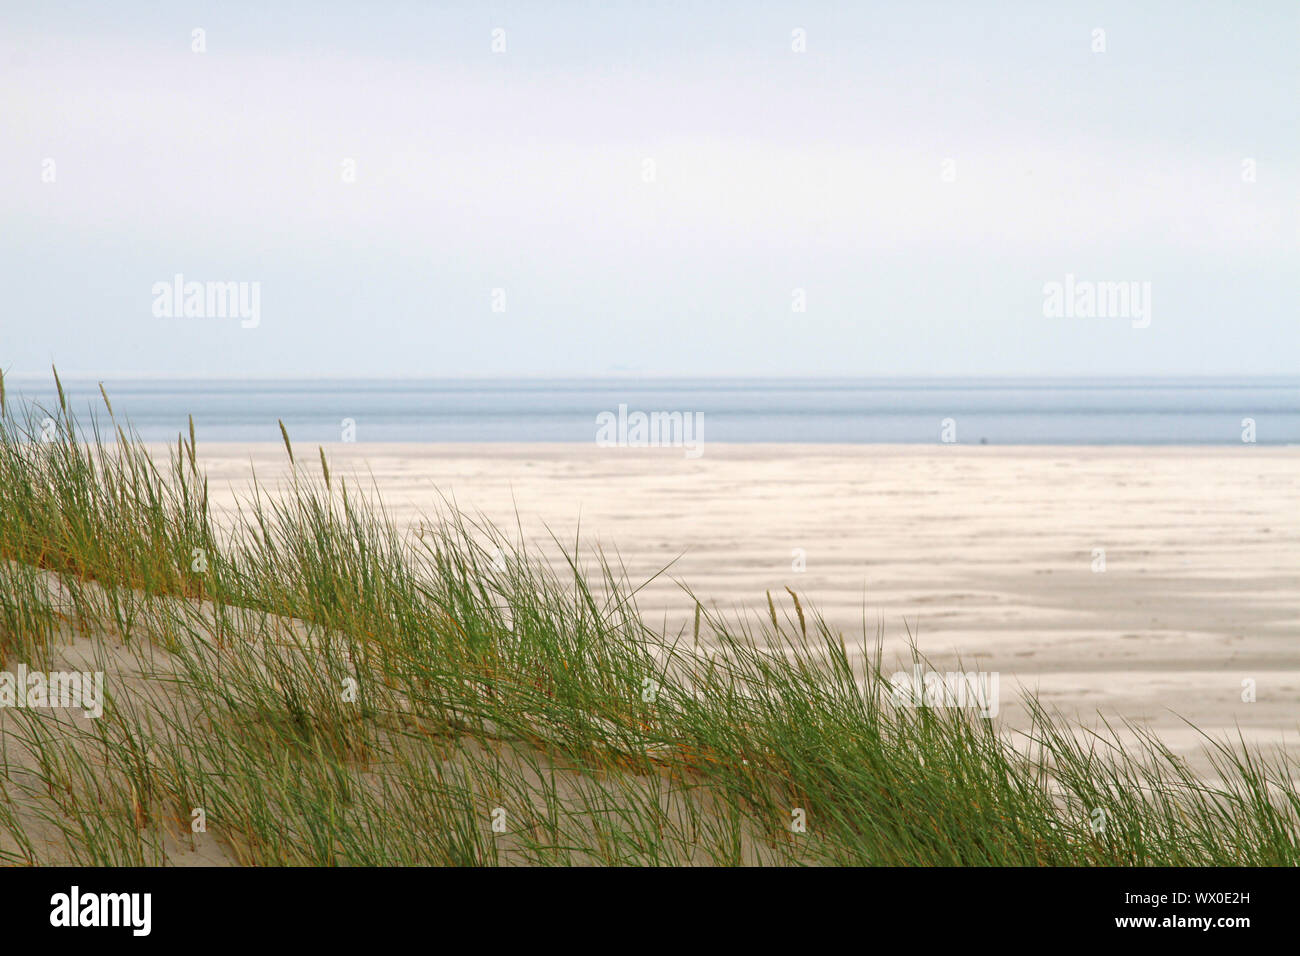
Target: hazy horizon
<point x="1016" y="411"/>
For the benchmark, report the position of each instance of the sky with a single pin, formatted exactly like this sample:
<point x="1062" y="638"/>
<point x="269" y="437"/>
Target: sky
<point x="693" y="189"/>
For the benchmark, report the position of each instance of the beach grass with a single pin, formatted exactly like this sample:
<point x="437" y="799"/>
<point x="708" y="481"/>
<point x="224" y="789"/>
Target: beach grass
<point x="299" y="681"/>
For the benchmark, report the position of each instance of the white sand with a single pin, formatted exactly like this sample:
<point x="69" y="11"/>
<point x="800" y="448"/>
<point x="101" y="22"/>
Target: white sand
<point x="982" y="551"/>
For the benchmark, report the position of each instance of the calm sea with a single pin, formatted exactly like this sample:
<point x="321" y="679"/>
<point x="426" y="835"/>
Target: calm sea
<point x="996" y="411"/>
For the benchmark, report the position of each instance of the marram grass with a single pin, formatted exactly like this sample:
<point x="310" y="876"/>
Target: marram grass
<point x="314" y="685"/>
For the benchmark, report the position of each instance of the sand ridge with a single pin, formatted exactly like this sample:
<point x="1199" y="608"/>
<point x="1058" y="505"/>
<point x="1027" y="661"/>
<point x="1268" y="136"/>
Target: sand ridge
<point x="979" y="551"/>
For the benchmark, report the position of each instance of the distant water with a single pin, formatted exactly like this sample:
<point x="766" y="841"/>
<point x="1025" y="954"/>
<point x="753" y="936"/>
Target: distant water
<point x="996" y="411"/>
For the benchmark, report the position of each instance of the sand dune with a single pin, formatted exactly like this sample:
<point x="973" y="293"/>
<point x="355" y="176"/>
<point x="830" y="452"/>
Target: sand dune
<point x="979" y="551"/>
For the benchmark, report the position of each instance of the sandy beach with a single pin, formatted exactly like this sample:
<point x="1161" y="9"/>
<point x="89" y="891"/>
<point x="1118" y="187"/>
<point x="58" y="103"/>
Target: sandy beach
<point x="1155" y="589"/>
<point x="992" y="554"/>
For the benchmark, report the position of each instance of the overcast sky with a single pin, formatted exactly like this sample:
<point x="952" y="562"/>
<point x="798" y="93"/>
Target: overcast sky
<point x="825" y="171"/>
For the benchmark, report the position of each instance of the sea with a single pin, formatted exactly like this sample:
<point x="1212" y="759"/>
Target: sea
<point x="1133" y="411"/>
